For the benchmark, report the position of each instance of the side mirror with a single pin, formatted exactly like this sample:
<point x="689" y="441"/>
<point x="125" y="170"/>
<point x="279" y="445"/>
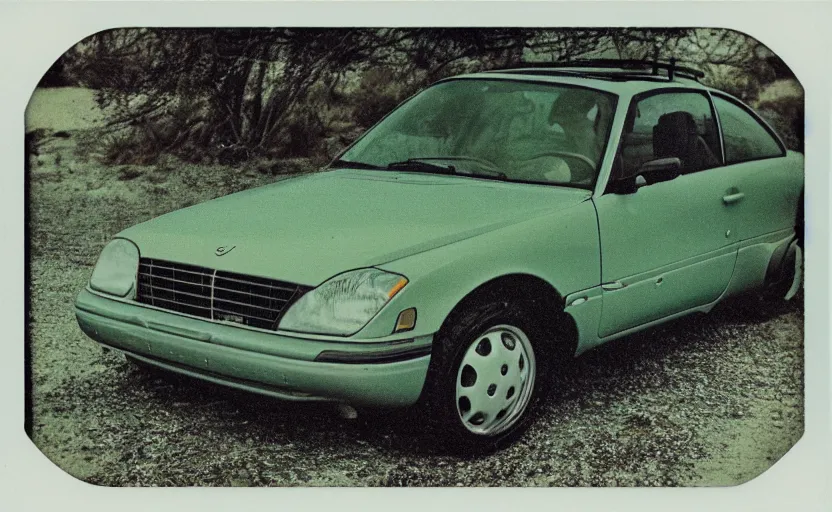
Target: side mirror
<point x="653" y="171"/>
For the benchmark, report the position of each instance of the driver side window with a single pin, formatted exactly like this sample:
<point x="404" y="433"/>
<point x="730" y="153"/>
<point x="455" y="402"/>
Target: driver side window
<point x="666" y="125"/>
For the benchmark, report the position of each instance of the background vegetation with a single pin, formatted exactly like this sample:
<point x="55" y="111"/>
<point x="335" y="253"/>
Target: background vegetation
<point x="230" y="95"/>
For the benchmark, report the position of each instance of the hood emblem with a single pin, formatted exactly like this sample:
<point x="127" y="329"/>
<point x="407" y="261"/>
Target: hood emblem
<point x="225" y="249"/>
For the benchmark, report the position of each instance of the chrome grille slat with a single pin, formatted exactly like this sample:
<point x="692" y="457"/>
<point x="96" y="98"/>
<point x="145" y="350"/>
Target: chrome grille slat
<point x="213" y="294"/>
<point x="229" y="290"/>
<point x="235" y="313"/>
<point x="179" y="292"/>
<point x="172" y="269"/>
<point x="180" y="281"/>
<point x="177" y="302"/>
<point x="252" y="283"/>
<point x="244" y="304"/>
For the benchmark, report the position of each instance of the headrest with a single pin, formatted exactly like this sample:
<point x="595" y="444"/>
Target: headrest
<point x="677" y="124"/>
<point x="572" y="103"/>
<point x="675" y="135"/>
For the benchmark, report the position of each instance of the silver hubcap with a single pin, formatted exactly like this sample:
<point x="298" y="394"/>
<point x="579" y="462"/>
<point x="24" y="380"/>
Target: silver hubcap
<point x="495" y="380"/>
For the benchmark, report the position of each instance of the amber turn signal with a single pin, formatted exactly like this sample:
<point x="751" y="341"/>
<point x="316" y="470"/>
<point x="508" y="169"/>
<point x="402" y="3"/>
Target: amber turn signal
<point x="406" y="321"/>
<point x="397" y="287"/>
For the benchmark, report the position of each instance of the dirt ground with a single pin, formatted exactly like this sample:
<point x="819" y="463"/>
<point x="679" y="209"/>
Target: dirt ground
<point x="706" y="400"/>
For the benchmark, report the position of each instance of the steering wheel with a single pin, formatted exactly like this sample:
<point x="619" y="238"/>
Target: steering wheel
<point x="567" y="155"/>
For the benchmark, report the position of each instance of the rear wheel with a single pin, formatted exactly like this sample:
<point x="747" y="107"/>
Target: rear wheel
<point x="796" y="273"/>
<point x="800" y="225"/>
<point x="487" y="376"/>
<point x="787" y="280"/>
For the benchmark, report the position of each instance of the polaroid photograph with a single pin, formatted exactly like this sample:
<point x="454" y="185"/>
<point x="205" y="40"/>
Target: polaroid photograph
<point x="280" y="253"/>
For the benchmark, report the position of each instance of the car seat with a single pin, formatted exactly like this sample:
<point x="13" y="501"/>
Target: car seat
<point x="676" y="135"/>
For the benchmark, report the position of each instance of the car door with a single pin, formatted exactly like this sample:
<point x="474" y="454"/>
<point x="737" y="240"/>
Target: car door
<point x="667" y="247"/>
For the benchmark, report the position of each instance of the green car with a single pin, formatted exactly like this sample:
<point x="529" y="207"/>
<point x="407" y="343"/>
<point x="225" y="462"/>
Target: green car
<point x="482" y="235"/>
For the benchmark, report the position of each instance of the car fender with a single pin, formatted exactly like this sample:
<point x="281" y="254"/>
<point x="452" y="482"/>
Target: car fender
<point x="561" y="248"/>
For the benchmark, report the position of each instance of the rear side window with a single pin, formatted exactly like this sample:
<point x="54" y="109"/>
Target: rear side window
<point x="671" y="124"/>
<point x="745" y="137"/>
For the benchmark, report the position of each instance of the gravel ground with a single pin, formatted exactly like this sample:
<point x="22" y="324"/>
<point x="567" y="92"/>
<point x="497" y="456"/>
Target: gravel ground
<point x="706" y="400"/>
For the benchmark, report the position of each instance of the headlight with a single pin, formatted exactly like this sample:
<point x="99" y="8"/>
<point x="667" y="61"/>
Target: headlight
<point x="344" y="304"/>
<point x="115" y="272"/>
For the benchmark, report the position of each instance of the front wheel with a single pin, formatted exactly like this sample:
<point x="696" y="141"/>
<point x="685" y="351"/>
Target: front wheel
<point x="495" y="380"/>
<point x="486" y="377"/>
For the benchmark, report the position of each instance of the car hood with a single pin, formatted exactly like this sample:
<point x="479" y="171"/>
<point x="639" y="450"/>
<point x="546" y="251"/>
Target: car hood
<point x="307" y="229"/>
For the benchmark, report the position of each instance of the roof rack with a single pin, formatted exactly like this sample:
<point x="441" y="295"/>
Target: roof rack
<point x="630" y="68"/>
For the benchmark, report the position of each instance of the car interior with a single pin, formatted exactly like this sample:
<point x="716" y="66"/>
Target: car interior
<point x="579" y="122"/>
<point x="676" y="134"/>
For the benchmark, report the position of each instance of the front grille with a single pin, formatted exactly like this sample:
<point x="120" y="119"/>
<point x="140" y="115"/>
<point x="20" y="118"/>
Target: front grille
<point x="214" y="294"/>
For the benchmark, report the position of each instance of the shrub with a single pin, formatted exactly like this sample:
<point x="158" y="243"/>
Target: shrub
<point x="781" y="104"/>
<point x="128" y="147"/>
<point x="129" y="172"/>
<point x="303" y="134"/>
<point x="378" y="92"/>
<point x="786" y="115"/>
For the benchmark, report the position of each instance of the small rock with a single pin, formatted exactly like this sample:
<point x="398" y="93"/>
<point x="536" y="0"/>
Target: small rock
<point x="347" y="412"/>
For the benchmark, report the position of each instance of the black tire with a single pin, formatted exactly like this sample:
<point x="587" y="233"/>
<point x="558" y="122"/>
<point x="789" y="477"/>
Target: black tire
<point x="800" y="226"/>
<point x="779" y="281"/>
<point x="438" y="403"/>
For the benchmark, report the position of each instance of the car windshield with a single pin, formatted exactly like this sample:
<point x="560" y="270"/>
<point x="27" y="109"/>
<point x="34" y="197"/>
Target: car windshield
<point x="498" y="129"/>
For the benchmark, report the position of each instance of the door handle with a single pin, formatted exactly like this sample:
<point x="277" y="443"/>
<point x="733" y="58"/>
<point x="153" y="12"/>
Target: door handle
<point x="733" y="198"/>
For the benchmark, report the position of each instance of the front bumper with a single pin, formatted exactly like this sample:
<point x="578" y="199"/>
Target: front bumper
<point x="382" y="374"/>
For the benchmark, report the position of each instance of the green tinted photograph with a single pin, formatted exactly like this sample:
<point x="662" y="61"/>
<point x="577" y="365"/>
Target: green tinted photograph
<point x="543" y="257"/>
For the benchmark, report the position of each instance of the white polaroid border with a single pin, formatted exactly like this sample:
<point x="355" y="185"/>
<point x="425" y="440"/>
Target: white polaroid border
<point x="34" y="34"/>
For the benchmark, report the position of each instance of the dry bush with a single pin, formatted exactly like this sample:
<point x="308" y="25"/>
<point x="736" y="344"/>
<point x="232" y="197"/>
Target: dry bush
<point x="129" y="172"/>
<point x="786" y="115"/>
<point x="127" y="148"/>
<point x="303" y="134"/>
<point x="378" y="92"/>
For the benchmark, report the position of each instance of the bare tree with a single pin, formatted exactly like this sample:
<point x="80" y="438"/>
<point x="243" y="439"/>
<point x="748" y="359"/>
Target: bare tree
<point x="246" y="91"/>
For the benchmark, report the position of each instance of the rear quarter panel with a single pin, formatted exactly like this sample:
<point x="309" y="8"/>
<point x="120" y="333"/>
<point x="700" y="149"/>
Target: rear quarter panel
<point x="772" y="189"/>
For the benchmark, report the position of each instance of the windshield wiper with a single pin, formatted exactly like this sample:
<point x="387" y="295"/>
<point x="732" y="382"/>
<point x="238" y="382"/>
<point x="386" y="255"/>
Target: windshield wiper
<point x="486" y="170"/>
<point x="418" y="165"/>
<point x="422" y="165"/>
<point x="340" y="164"/>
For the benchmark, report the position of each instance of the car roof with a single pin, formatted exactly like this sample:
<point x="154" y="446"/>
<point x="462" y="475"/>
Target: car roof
<point x="621" y="83"/>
